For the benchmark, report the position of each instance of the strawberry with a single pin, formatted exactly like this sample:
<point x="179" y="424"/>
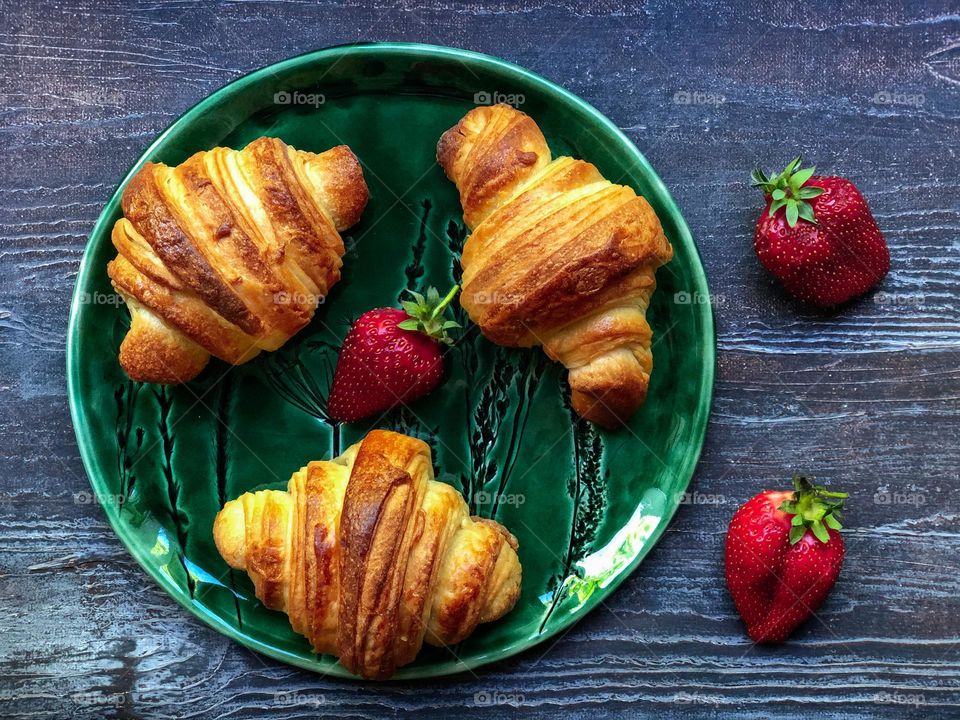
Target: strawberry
<point x="783" y="555"/>
<point x="818" y="237"/>
<point x="391" y="356"/>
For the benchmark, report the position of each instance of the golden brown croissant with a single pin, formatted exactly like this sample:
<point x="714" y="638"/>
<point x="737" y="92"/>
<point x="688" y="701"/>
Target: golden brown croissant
<point x="558" y="256"/>
<point x="369" y="556"/>
<point x="229" y="253"/>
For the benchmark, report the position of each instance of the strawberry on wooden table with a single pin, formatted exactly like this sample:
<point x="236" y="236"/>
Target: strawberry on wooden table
<point x="391" y="356"/>
<point x="783" y="555"/>
<point x="818" y="237"/>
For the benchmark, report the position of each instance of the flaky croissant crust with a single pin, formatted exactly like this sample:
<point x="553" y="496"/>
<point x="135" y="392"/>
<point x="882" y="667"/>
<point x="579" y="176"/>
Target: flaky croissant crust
<point x="558" y="256"/>
<point x="369" y="556"/>
<point x="229" y="253"/>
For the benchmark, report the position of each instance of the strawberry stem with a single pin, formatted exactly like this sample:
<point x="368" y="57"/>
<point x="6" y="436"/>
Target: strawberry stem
<point x="788" y="190"/>
<point x="439" y="309"/>
<point x="426" y="314"/>
<point x="813" y="508"/>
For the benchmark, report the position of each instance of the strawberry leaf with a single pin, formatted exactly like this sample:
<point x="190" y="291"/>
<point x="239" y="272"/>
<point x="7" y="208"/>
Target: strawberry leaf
<point x="759" y="177"/>
<point x="776" y="205"/>
<point x="820" y="531"/>
<point x="796" y="533"/>
<point x="832" y="522"/>
<point x="800" y="177"/>
<point x="792" y="213"/>
<point x="806" y="213"/>
<point x="808" y="192"/>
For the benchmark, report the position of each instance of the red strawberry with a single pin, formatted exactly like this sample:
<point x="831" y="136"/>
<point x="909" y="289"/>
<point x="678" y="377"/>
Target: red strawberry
<point x="825" y="247"/>
<point x="390" y="356"/>
<point x="783" y="555"/>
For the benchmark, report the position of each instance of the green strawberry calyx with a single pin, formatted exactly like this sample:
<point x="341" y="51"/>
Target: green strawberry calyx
<point x="787" y="190"/>
<point x="427" y="314"/>
<point x="813" y="508"/>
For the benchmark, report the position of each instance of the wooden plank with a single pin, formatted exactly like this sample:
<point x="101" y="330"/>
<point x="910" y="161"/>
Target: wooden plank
<point x="867" y="397"/>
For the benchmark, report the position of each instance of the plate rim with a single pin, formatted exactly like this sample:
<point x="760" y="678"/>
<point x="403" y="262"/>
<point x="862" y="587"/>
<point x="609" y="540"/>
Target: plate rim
<point x="699" y="421"/>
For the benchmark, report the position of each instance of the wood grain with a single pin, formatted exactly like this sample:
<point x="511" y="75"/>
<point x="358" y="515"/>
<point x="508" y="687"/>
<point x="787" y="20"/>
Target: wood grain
<point x="867" y="397"/>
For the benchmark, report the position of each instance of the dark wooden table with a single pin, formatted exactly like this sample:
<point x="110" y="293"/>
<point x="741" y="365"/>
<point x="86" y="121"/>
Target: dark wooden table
<point x="866" y="398"/>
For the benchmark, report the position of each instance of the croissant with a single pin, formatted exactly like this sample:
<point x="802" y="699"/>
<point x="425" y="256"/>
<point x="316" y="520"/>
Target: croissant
<point x="558" y="256"/>
<point x="229" y="253"/>
<point x="369" y="556"/>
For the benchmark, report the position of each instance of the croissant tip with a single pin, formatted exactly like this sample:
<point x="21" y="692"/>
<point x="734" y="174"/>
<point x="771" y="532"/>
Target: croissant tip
<point x="611" y="408"/>
<point x="154" y="352"/>
<point x="448" y="147"/>
<point x="229" y="534"/>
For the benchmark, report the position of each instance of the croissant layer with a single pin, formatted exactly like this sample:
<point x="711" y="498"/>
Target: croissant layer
<point x="558" y="256"/>
<point x="370" y="557"/>
<point x="229" y="253"/>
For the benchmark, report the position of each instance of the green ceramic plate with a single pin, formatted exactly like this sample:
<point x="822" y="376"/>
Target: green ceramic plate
<point x="586" y="505"/>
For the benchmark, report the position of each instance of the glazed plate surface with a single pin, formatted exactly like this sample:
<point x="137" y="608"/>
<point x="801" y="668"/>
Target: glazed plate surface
<point x="586" y="505"/>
